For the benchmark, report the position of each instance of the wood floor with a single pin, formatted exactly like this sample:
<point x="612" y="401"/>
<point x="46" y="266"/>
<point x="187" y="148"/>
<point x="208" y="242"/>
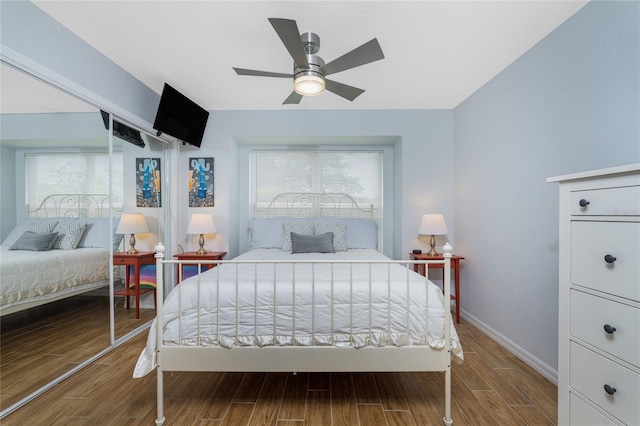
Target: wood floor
<point x="492" y="387"/>
<point x="40" y="344"/>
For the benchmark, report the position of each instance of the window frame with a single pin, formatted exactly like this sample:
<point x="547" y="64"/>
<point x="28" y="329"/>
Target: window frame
<point x="390" y="181"/>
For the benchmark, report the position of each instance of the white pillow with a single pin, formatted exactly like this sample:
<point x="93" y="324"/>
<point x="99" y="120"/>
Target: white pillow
<point x="296" y="227"/>
<point x="339" y="231"/>
<point x="97" y="233"/>
<point x="267" y="232"/>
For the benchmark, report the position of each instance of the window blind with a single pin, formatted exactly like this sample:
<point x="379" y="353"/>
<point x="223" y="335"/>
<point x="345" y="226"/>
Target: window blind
<point x="72" y="173"/>
<point x="355" y="173"/>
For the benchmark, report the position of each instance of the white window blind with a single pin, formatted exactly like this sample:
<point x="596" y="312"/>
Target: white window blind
<point x="71" y="173"/>
<point x="355" y="173"/>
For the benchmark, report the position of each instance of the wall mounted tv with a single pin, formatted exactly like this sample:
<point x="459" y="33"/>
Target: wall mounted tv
<point x="180" y="117"/>
<point x="123" y="131"/>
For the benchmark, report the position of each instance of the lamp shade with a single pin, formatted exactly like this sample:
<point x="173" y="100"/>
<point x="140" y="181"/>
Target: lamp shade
<point x="201" y="223"/>
<point x="433" y="224"/>
<point x="132" y="223"/>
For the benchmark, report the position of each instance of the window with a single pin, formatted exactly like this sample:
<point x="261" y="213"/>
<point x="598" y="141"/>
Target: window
<point x="355" y="173"/>
<point x="71" y="173"/>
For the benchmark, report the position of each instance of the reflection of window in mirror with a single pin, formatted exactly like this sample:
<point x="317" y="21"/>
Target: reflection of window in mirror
<point x="48" y="173"/>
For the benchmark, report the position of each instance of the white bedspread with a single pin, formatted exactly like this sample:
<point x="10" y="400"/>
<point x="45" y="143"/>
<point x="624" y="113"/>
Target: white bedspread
<point x="28" y="275"/>
<point x="349" y="317"/>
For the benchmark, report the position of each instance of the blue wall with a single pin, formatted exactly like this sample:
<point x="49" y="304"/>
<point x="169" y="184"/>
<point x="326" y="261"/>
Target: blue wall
<point x="41" y="44"/>
<point x="569" y="104"/>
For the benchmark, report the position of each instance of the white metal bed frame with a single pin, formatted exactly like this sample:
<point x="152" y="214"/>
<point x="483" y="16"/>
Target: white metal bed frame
<point x="314" y="204"/>
<point x="302" y="358"/>
<point x="65" y="205"/>
<point x="305" y="358"/>
<point x="71" y="205"/>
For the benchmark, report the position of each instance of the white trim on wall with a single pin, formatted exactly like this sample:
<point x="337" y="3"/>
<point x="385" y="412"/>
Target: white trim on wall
<point x="548" y="372"/>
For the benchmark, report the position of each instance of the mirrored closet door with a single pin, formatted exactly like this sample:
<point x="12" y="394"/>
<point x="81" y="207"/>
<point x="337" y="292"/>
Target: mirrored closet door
<point x="67" y="175"/>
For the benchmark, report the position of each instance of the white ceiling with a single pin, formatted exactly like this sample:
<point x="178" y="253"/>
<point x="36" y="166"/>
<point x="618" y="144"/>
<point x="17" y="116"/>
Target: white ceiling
<point x="437" y="53"/>
<point x="21" y="93"/>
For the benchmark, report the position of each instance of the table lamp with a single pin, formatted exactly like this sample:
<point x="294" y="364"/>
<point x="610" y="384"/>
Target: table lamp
<point x="132" y="223"/>
<point x="433" y="224"/>
<point x="201" y="223"/>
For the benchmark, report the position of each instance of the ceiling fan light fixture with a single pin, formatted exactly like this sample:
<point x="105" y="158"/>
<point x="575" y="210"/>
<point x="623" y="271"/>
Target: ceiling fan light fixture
<point x="309" y="85"/>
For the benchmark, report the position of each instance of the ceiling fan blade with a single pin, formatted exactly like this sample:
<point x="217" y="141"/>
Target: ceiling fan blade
<point x="368" y="52"/>
<point x="294" y="98"/>
<point x="288" y="32"/>
<point x="242" y="71"/>
<point x="344" y="90"/>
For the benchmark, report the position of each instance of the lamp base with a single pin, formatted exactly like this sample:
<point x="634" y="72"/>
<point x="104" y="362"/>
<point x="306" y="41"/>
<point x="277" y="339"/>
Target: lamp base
<point x="201" y="250"/>
<point x="132" y="243"/>
<point x="432" y="244"/>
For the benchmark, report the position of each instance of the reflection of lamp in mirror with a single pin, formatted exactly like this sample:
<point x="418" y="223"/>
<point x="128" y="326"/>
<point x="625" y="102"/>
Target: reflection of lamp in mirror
<point x="433" y="224"/>
<point x="132" y="223"/>
<point x="201" y="223"/>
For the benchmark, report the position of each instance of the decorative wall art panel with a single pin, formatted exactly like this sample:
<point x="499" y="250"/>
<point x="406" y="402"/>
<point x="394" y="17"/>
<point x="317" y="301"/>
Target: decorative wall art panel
<point x="201" y="182"/>
<point x="148" y="182"/>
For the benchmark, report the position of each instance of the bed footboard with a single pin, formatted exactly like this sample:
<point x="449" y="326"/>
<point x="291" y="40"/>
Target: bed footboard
<point x="374" y="349"/>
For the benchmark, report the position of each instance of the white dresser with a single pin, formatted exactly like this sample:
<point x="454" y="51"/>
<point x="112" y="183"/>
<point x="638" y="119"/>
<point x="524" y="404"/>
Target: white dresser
<point x="599" y="296"/>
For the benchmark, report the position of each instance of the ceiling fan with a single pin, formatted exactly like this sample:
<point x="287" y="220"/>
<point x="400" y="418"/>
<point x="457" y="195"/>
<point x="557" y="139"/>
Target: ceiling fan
<point x="309" y="70"/>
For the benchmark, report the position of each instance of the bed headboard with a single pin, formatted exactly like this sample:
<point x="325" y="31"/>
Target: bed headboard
<point x="314" y="204"/>
<point x="71" y="205"/>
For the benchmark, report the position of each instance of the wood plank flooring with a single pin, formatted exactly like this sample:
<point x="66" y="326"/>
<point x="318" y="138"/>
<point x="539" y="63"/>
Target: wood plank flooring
<point x="42" y="343"/>
<point x="492" y="387"/>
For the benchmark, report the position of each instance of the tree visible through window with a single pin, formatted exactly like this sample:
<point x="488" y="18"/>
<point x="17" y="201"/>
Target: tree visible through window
<point x="355" y="173"/>
<point x="71" y="173"/>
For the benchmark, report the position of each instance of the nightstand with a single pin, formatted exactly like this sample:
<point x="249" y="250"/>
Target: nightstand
<point x="455" y="265"/>
<point x="134" y="261"/>
<point x="192" y="255"/>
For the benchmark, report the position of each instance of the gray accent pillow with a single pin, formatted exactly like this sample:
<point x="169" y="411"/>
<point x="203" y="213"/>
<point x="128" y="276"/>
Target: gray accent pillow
<point x="34" y="242"/>
<point x="41" y="227"/>
<point x="322" y="243"/>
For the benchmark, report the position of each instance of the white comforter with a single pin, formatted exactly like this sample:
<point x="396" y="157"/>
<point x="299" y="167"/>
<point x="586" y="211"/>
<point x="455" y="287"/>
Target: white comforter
<point x="29" y="275"/>
<point x="352" y="322"/>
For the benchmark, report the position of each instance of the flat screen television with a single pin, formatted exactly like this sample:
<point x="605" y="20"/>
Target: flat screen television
<point x="180" y="117"/>
<point x="123" y="131"/>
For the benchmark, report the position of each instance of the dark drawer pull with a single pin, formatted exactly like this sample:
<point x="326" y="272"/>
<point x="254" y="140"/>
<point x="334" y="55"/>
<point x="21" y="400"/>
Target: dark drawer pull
<point x="610" y="259"/>
<point x="609" y="329"/>
<point x="610" y="390"/>
<point x="583" y="203"/>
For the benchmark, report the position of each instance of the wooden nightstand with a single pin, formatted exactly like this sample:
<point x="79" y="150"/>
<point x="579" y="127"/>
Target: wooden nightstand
<point x="135" y="261"/>
<point x="192" y="255"/>
<point x="455" y="265"/>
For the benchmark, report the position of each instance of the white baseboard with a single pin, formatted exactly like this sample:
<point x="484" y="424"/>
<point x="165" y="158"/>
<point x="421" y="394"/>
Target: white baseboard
<point x="526" y="357"/>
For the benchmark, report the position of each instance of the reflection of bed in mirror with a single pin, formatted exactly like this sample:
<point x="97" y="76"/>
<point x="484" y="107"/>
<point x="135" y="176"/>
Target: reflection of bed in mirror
<point x="60" y="251"/>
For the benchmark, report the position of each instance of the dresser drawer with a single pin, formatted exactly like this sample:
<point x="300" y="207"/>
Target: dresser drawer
<point x="591" y="242"/>
<point x="590" y="372"/>
<point x="590" y="314"/>
<point x="582" y="414"/>
<point x="623" y="201"/>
